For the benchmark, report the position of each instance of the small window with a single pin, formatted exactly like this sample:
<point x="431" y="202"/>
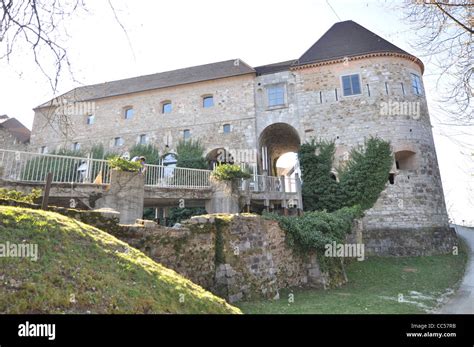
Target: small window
<point x="416" y="84"/>
<point x="208" y="101"/>
<point x="90" y="119"/>
<point x="44" y="150"/>
<point x="129" y="112"/>
<point x="76" y="146"/>
<point x="276" y="95"/>
<point x="166" y="107"/>
<point x="118" y="141"/>
<point x="391" y="178"/>
<point x="351" y="85"/>
<point x="226" y="128"/>
<point x="186" y="134"/>
<point x="143" y="139"/>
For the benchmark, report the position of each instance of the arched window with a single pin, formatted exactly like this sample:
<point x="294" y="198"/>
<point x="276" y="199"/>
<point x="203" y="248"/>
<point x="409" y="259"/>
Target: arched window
<point x="128" y="112"/>
<point x="166" y="107"/>
<point x="207" y="101"/>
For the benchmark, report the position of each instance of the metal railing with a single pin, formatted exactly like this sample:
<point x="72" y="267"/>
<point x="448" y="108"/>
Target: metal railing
<point x="260" y="183"/>
<point x="176" y="177"/>
<point x="34" y="167"/>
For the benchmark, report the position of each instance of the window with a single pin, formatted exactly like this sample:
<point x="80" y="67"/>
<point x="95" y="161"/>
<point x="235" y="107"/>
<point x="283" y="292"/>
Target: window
<point x="143" y="139"/>
<point x="276" y="95"/>
<point x="391" y="178"/>
<point x="118" y="141"/>
<point x="166" y="107"/>
<point x="76" y="146"/>
<point x="186" y="134"/>
<point x="90" y="119"/>
<point x="405" y="160"/>
<point x="208" y="101"/>
<point x="351" y="85"/>
<point x="416" y="84"/>
<point x="44" y="150"/>
<point x="128" y="112"/>
<point x="226" y="128"/>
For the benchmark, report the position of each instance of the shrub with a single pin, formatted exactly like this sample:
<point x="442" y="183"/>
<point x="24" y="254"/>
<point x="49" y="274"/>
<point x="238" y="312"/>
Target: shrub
<point x="190" y="154"/>
<point x="121" y="164"/>
<point x="229" y="172"/>
<point x="314" y="230"/>
<point x="150" y="152"/>
<point x="19" y="196"/>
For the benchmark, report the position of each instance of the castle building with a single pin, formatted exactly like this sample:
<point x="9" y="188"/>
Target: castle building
<point x="350" y="85"/>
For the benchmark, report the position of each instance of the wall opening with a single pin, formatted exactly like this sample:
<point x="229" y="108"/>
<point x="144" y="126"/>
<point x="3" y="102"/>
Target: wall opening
<point x="275" y="141"/>
<point x="405" y="160"/>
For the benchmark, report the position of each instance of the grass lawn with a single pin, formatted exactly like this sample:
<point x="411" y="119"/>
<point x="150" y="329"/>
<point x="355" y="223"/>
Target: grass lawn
<point x="375" y="286"/>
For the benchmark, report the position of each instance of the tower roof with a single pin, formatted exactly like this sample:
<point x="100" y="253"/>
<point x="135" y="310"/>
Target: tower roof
<point x="347" y="39"/>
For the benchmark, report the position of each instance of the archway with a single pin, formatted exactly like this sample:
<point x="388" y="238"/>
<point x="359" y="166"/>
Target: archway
<point x="219" y="156"/>
<point x="279" y="144"/>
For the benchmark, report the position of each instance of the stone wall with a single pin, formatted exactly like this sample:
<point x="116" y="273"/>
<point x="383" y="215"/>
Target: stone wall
<point x="409" y="242"/>
<point x="125" y="194"/>
<point x="238" y="257"/>
<point x="233" y="104"/>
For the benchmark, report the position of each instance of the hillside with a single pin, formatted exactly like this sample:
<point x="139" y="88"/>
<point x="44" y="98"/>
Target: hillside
<point x="81" y="269"/>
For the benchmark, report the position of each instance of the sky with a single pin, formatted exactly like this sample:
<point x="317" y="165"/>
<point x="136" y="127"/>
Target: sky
<point x="167" y="35"/>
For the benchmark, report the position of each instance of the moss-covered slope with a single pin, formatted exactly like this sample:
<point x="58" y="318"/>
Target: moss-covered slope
<point x="81" y="269"/>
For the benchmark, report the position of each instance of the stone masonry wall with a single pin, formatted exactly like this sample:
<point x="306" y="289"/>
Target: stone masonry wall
<point x="233" y="104"/>
<point x="238" y="257"/>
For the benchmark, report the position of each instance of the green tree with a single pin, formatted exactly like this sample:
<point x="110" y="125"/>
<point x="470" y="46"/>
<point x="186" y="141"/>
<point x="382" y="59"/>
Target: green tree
<point x="150" y="152"/>
<point x="191" y="155"/>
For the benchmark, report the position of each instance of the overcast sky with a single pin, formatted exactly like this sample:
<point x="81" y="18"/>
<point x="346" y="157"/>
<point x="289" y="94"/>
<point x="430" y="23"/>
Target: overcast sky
<point x="166" y="35"/>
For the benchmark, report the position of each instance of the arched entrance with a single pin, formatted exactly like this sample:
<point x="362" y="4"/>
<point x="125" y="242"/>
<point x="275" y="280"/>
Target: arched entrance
<point x="279" y="144"/>
<point x="219" y="156"/>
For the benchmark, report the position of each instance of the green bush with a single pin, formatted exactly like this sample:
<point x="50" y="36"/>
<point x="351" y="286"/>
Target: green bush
<point x="190" y="154"/>
<point x="314" y="230"/>
<point x="229" y="172"/>
<point x="19" y="196"/>
<point x="121" y="164"/>
<point x="150" y="152"/>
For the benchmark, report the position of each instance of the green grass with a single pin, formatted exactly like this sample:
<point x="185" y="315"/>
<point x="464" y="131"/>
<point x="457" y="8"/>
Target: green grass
<point x="82" y="269"/>
<point x="374" y="287"/>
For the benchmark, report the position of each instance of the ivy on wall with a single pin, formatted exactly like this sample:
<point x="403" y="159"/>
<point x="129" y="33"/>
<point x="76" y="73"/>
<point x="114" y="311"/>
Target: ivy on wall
<point x="333" y="205"/>
<point x="361" y="179"/>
